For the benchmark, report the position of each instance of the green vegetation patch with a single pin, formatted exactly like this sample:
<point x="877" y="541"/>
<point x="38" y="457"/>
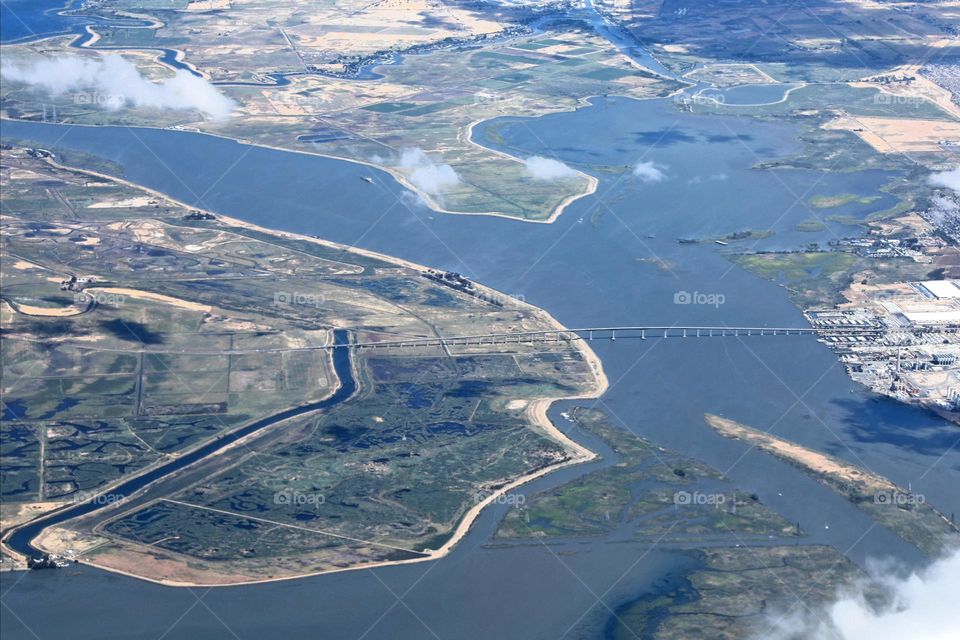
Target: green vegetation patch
<point x="652" y="490"/>
<point x="505" y="57"/>
<point x="745" y="584"/>
<point x="532" y="46"/>
<point x="389" y="107"/>
<point x="829" y="202"/>
<point x="514" y="78"/>
<point x="429" y="108"/>
<point x="809" y="226"/>
<point x="607" y="73"/>
<point x="796" y="267"/>
<point x="816" y="278"/>
<point x="579" y="51"/>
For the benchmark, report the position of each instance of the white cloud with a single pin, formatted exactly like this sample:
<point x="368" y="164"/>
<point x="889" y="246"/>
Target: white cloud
<point x="112" y="82"/>
<point x="921" y="606"/>
<point x="949" y="179"/>
<point x="649" y="171"/>
<point x="427" y="175"/>
<point x="547" y="169"/>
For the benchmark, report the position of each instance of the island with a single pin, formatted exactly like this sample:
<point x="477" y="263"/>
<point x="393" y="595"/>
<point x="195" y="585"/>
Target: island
<point x="195" y="400"/>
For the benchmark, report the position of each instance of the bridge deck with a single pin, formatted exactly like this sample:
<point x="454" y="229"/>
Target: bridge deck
<point x="611" y="333"/>
<point x="549" y="335"/>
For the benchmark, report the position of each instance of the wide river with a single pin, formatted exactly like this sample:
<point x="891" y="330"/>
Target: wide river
<point x="594" y="266"/>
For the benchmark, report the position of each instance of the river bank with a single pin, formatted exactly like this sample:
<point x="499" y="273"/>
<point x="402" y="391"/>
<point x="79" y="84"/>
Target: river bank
<point x="59" y="540"/>
<point x="586" y="275"/>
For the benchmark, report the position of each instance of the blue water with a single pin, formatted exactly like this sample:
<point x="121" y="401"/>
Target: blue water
<point x="586" y="269"/>
<point x="704" y="163"/>
<point x="29" y="19"/>
<point x="593" y="266"/>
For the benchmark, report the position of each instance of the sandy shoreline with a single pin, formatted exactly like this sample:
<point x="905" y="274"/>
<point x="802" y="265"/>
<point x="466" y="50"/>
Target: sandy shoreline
<point x="592" y="183"/>
<point x="536" y="411"/>
<point x="426" y="198"/>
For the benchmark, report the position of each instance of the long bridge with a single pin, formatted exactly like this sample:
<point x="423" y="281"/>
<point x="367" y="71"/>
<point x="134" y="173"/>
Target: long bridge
<point x="547" y="335"/>
<point x="610" y="333"/>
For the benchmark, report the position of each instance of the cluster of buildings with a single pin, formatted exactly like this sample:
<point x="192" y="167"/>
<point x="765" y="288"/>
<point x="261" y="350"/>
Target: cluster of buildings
<point x="74" y="283"/>
<point x="47" y="561"/>
<point x="943" y="215"/>
<point x="945" y="75"/>
<point x="878" y="246"/>
<point x="907" y="340"/>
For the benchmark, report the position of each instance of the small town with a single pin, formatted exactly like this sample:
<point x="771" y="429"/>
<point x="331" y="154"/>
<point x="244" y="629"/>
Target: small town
<point x="912" y="355"/>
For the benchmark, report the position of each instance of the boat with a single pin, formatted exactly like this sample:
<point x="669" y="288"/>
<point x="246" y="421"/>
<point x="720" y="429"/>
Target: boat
<point x="721" y="243"/>
<point x="367" y="179"/>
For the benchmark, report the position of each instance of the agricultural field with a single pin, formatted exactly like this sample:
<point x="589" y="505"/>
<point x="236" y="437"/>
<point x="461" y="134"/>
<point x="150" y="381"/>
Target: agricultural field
<point x="415" y="121"/>
<point x="817" y="39"/>
<point x="137" y="330"/>
<point x="240" y="40"/>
